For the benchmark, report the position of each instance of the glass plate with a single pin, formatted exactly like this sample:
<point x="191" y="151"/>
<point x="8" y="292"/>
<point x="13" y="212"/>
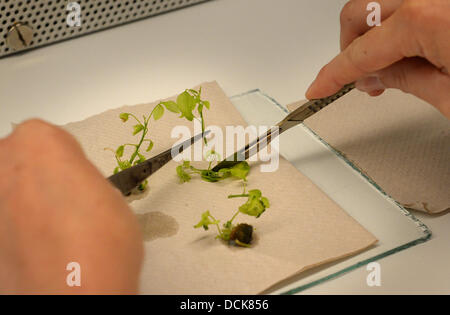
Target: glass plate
<point x="395" y="228"/>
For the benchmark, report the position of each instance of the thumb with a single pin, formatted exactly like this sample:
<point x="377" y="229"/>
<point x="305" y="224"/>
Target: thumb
<point x="417" y="76"/>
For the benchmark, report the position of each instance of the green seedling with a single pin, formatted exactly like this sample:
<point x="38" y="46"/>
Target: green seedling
<point x="186" y="170"/>
<point x="185" y="105"/>
<point x="241" y="234"/>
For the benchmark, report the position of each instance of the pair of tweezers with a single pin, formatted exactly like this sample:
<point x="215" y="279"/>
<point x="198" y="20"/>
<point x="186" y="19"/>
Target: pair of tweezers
<point x="130" y="178"/>
<point x="293" y="119"/>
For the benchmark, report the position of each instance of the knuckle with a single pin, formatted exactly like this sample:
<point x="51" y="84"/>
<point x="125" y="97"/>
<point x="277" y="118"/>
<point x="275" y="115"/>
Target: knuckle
<point x="421" y="13"/>
<point x="411" y="6"/>
<point x="354" y="54"/>
<point x="424" y="20"/>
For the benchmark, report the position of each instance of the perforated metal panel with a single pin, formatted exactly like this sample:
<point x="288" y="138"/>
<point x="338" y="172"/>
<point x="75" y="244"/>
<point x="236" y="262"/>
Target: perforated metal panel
<point x="48" y="19"/>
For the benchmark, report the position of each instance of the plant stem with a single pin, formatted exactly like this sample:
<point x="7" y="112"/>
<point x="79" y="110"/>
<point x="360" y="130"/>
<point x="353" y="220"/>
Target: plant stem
<point x="135" y="118"/>
<point x="138" y="146"/>
<point x="234" y="216"/>
<point x="237" y="196"/>
<point x="217" y="224"/>
<point x="144" y="133"/>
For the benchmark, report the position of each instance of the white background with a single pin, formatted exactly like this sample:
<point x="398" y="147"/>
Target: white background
<point x="275" y="45"/>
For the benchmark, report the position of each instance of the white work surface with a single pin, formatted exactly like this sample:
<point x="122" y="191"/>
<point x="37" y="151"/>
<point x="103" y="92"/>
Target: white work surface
<point x="275" y="45"/>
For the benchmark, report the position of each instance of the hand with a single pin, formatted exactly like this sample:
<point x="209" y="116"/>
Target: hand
<point x="409" y="51"/>
<point x="56" y="208"/>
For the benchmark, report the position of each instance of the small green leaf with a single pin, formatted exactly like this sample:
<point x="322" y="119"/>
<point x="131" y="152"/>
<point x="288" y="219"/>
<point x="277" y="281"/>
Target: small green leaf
<point x="255" y="193"/>
<point x="158" y="112"/>
<point x="137" y="128"/>
<point x="150" y="145"/>
<point x="141" y="158"/>
<point x="206" y="103"/>
<point x="124" y="116"/>
<point x="186" y="104"/>
<point x="205" y="221"/>
<point x="171" y="106"/>
<point x="255" y="205"/>
<point x="119" y="151"/>
<point x="265" y="201"/>
<point x="240" y="170"/>
<point x="124" y="164"/>
<point x="184" y="177"/>
<point x="116" y="170"/>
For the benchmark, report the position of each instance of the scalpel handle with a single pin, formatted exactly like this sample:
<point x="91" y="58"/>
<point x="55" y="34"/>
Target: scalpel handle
<point x="311" y="107"/>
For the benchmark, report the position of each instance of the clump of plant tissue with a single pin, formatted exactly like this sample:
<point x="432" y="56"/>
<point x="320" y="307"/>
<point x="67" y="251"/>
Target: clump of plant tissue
<point x="255" y="205"/>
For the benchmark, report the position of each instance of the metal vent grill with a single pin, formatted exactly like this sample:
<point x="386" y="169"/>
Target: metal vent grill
<point x="47" y="20"/>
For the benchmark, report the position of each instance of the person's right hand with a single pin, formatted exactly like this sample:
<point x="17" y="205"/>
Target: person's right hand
<point x="409" y="51"/>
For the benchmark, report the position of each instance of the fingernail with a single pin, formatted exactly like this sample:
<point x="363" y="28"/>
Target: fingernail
<point x="376" y="93"/>
<point x="370" y="84"/>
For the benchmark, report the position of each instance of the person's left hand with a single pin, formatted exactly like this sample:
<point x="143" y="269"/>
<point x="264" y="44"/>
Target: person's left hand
<point x="57" y="208"/>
